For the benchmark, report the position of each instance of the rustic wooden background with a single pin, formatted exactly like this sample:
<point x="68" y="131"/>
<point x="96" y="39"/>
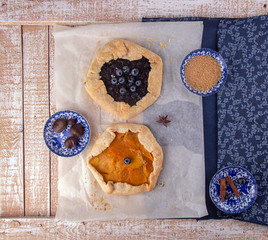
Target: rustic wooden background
<point x="28" y="171"/>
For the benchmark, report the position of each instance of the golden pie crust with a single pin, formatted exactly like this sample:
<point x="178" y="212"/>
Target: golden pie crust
<point x="121" y="48"/>
<point x="146" y="139"/>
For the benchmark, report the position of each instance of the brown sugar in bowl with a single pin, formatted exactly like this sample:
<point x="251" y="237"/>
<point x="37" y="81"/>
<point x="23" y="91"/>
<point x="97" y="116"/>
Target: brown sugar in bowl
<point x="203" y="72"/>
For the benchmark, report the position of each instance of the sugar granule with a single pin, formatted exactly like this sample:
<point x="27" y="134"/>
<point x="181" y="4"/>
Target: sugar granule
<point x="202" y="73"/>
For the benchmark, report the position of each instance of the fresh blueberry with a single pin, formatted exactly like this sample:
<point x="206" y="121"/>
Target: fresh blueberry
<point x="121" y="80"/>
<point x="113" y="81"/>
<point x="135" y="72"/>
<point x="118" y="72"/>
<point x="127" y="161"/>
<point x="131" y="79"/>
<point x="122" y="90"/>
<point x="138" y="83"/>
<point x="125" y="69"/>
<point x="133" y="88"/>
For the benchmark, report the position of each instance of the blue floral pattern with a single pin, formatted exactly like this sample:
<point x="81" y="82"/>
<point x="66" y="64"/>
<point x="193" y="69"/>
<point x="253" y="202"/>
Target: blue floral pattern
<point x="242" y="106"/>
<point x="245" y="184"/>
<point x="55" y="141"/>
<point x="217" y="57"/>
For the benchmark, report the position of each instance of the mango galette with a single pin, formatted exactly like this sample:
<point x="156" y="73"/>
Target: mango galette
<point x="126" y="159"/>
<point x="125" y="78"/>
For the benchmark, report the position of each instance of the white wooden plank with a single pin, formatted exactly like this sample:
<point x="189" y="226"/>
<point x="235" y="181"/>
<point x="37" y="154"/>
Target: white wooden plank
<point x="53" y="157"/>
<point x="36" y="112"/>
<point x="84" y="11"/>
<point x="11" y="118"/>
<point x="35" y="228"/>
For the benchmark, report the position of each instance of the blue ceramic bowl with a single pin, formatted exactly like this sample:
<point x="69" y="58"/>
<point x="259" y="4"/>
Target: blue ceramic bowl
<point x="218" y="58"/>
<point x="245" y="184"/>
<point x="55" y="141"/>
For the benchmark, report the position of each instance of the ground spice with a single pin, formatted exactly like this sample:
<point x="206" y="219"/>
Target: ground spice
<point x="202" y="73"/>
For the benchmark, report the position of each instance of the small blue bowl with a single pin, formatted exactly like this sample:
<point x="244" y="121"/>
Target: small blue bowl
<point x="245" y="184"/>
<point x="55" y="141"/>
<point x="218" y="58"/>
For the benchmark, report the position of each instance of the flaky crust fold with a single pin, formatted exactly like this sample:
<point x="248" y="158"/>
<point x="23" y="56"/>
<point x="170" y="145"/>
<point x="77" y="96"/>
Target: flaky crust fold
<point x="121" y="48"/>
<point x="146" y="138"/>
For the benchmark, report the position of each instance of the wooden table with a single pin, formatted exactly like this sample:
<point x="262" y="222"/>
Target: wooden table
<point x="28" y="183"/>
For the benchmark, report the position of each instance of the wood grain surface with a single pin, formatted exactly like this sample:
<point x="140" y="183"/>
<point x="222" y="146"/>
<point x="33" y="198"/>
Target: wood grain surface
<point x="53" y="157"/>
<point x="27" y="228"/>
<point x="28" y="183"/>
<point x="89" y="11"/>
<point x="11" y="116"/>
<point x="36" y="112"/>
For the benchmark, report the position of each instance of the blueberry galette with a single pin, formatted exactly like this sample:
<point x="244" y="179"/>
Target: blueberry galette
<point x="125" y="78"/>
<point x="126" y="159"/>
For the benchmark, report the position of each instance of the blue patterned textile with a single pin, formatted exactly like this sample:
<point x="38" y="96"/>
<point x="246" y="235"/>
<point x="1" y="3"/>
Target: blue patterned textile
<point x="209" y="40"/>
<point x="243" y="107"/>
<point x="235" y="119"/>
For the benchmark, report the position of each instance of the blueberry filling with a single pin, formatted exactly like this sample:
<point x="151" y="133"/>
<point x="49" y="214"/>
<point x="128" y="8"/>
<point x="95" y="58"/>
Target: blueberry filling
<point x="121" y="80"/>
<point x="118" y="72"/>
<point x="135" y="72"/>
<point x="126" y="81"/>
<point x="138" y="83"/>
<point x="122" y="90"/>
<point x="113" y="81"/>
<point x="132" y="88"/>
<point x="131" y="79"/>
<point x="125" y="69"/>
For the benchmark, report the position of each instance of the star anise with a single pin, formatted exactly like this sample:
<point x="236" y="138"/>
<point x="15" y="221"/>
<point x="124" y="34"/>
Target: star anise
<point x="163" y="120"/>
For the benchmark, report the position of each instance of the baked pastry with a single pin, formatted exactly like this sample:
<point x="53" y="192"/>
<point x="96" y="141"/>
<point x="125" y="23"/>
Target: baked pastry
<point x="126" y="159"/>
<point x="124" y="78"/>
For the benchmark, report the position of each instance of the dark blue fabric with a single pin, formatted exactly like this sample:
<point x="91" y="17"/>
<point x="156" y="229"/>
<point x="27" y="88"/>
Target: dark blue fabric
<point x="209" y="40"/>
<point x="243" y="106"/>
<point x="236" y="120"/>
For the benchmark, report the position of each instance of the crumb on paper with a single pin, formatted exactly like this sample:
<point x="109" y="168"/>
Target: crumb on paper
<point x="114" y="120"/>
<point x="95" y="183"/>
<point x="173" y="207"/>
<point x="99" y="204"/>
<point x="161" y="184"/>
<point x="151" y="39"/>
<point x="148" y="45"/>
<point x="99" y="42"/>
<point x="163" y="44"/>
<point x="170" y="38"/>
<point x="171" y="59"/>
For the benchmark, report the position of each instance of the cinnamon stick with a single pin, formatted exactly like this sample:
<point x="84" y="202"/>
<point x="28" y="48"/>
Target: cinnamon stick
<point x="229" y="180"/>
<point x="222" y="188"/>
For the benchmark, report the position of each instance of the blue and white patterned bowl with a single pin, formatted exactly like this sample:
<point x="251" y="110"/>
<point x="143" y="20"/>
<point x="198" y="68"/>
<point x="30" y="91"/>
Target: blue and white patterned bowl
<point x="55" y="141"/>
<point x="245" y="184"/>
<point x="218" y="58"/>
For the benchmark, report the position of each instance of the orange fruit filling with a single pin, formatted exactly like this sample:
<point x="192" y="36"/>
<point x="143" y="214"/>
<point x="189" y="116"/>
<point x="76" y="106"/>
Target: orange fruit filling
<point x="110" y="163"/>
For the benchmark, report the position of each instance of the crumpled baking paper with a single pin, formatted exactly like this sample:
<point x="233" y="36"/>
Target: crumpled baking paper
<point x="180" y="190"/>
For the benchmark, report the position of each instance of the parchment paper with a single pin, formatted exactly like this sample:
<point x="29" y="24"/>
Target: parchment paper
<point x="180" y="191"/>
